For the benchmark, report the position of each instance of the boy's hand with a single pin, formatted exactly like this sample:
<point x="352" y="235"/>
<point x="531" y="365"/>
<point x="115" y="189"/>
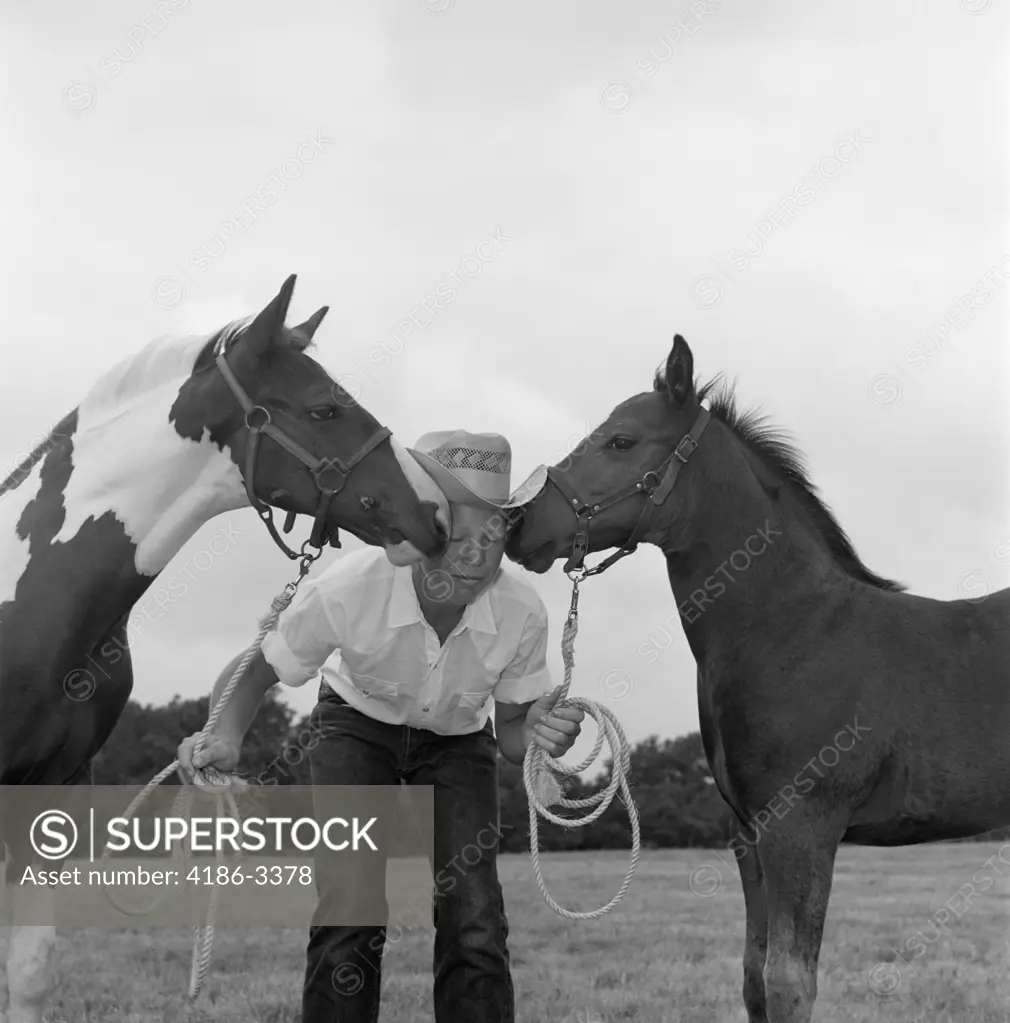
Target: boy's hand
<point x="217" y="751"/>
<point x="554" y="730"/>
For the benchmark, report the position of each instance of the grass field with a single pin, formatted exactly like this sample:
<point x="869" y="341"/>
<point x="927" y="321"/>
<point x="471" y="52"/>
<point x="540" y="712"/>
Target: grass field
<point x="667" y="954"/>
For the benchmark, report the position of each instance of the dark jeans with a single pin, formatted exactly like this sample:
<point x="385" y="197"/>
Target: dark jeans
<point x="471" y="963"/>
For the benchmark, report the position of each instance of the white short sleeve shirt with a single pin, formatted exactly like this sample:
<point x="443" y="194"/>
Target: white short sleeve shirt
<point x="359" y="625"/>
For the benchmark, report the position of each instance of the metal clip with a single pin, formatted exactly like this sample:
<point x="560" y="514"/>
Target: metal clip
<point x="306" y="560"/>
<point x="573" y="610"/>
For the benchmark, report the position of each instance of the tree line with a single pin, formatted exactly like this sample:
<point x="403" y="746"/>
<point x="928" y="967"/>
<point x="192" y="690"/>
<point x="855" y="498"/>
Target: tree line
<point x="678" y="803"/>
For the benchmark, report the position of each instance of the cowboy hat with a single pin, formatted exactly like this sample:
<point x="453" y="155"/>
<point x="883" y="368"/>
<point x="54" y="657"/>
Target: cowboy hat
<point x="470" y="468"/>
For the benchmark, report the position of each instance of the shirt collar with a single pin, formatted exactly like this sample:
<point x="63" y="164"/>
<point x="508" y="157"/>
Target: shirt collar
<point x="404" y="608"/>
<point x="479" y="615"/>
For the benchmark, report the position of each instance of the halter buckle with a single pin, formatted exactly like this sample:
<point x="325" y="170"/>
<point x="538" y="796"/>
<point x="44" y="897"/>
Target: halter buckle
<point x="580" y="546"/>
<point x="691" y="443"/>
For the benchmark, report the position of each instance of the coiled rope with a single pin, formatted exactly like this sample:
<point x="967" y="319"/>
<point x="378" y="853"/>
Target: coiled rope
<point x="209" y="778"/>
<point x="542" y="774"/>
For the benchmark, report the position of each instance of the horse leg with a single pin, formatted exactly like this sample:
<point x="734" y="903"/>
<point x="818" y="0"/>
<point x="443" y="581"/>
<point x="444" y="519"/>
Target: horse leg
<point x="797" y="861"/>
<point x="756" y="944"/>
<point x="28" y="971"/>
<point x="31" y="947"/>
<point x="29" y="974"/>
<point x="29" y="951"/>
<point x="5" y="930"/>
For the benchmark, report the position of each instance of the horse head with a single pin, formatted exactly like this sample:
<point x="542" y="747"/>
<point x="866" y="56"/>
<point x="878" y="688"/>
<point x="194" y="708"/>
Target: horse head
<point x="304" y="445"/>
<point x="616" y="488"/>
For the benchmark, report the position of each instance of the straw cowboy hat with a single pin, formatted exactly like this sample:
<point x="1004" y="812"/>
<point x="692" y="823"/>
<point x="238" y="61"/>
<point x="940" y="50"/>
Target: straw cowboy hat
<point x="471" y="468"/>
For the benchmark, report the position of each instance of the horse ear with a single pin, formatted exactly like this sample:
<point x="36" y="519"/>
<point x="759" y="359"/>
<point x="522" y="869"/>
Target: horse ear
<point x="269" y="323"/>
<point x="309" y="327"/>
<point x="680" y="372"/>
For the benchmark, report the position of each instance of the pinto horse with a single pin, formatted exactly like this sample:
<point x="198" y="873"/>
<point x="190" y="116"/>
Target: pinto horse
<point x="165" y="441"/>
<point x="799" y="648"/>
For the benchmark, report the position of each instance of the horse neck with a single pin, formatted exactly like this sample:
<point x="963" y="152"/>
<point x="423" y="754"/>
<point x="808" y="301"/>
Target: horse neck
<point x="753" y="562"/>
<point x="160" y="485"/>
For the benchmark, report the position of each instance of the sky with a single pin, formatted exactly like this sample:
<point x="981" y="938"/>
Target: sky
<point x="806" y="193"/>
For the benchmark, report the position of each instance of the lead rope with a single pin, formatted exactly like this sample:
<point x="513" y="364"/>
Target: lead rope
<point x="210" y="778"/>
<point x="542" y="774"/>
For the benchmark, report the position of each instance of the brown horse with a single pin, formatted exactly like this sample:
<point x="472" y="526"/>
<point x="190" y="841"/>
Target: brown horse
<point x="186" y="429"/>
<point x="834" y="706"/>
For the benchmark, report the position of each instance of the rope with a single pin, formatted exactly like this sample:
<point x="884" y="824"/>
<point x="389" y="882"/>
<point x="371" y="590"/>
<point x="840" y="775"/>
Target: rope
<point x="210" y="778"/>
<point x="542" y="773"/>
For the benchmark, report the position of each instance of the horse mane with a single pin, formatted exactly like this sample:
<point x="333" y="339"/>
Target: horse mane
<point x="162" y="360"/>
<point x="780" y="455"/>
<point x="168" y="358"/>
<point x="290" y="337"/>
<point x="63" y="428"/>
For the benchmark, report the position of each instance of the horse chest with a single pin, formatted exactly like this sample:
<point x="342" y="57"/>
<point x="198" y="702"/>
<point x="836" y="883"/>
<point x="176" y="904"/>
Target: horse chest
<point x="712" y="740"/>
<point x="742" y="746"/>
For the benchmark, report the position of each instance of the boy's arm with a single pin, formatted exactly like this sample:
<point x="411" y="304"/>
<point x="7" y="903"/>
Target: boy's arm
<point x="524" y="701"/>
<point x="303" y="638"/>
<point x="240" y="710"/>
<point x="510" y="730"/>
<point x="518" y="724"/>
<point x="222" y="746"/>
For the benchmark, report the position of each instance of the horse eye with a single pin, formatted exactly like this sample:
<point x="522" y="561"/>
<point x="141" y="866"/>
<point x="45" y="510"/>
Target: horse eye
<point x="322" y="415"/>
<point x="621" y="443"/>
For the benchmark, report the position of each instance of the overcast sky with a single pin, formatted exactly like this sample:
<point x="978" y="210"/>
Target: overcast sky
<point x="803" y="191"/>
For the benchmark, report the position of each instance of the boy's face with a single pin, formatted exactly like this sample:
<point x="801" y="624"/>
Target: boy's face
<point x="471" y="559"/>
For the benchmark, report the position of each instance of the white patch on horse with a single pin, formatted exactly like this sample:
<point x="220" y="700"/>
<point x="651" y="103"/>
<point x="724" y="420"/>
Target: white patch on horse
<point x="14" y="552"/>
<point x="427" y="490"/>
<point x="129" y="460"/>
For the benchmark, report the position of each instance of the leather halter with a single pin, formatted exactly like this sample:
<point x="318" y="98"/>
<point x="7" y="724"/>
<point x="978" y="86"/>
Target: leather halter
<point x="656" y="484"/>
<point x="330" y="474"/>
